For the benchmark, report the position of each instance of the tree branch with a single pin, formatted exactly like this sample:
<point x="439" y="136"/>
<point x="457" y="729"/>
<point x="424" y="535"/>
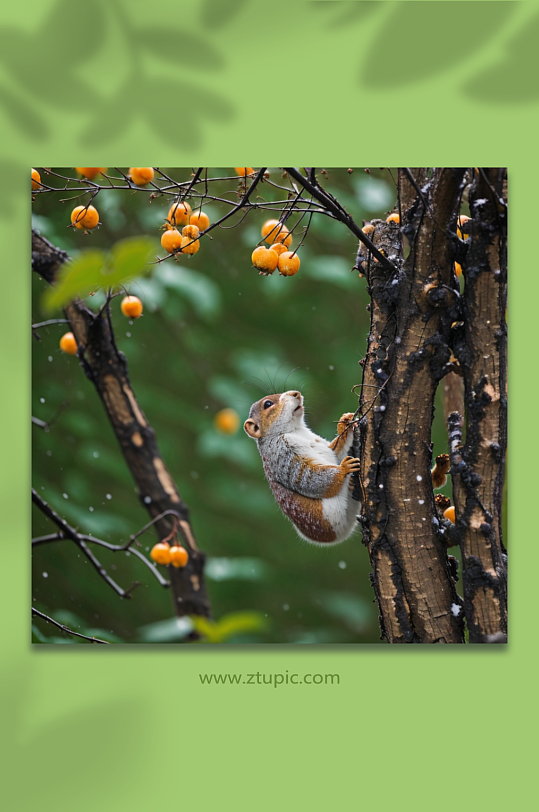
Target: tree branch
<point x="37" y="613"/>
<point x="70" y="533"/>
<point x="330" y="203"/>
<point x="106" y="368"/>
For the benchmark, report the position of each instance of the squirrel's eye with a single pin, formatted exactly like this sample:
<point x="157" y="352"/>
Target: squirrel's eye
<point x="267" y="404"/>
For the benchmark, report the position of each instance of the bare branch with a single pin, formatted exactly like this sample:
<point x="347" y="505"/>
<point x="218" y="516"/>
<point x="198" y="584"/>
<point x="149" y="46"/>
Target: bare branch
<point x="70" y="533"/>
<point x="340" y="214"/>
<point x="37" y="613"/>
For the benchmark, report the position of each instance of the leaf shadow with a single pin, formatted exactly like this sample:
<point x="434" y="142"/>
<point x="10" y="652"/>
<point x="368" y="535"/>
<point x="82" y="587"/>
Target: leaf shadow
<point x="216" y="13"/>
<point x="410" y="48"/>
<point x="513" y="79"/>
<point x="180" y="48"/>
<point x="11" y="177"/>
<point x="345" y="11"/>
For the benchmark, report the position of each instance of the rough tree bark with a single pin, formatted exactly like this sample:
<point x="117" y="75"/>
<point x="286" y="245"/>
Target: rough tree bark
<point x="479" y="466"/>
<point x="106" y="367"/>
<point x="407" y="354"/>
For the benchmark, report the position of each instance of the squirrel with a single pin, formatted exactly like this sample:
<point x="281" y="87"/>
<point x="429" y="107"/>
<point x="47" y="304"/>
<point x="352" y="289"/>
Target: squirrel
<point x="309" y="476"/>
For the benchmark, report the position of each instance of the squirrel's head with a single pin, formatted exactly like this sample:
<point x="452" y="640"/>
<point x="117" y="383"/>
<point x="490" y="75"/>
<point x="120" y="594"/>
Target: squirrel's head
<point x="274" y="415"/>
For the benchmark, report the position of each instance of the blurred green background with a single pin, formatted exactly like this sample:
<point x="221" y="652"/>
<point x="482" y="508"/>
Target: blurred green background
<point x="214" y="335"/>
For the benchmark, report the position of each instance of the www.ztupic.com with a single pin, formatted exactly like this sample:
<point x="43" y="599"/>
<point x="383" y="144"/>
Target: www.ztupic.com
<point x="276" y="680"/>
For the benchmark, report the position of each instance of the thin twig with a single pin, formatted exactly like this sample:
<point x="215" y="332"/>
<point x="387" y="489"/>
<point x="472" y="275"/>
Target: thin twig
<point x="340" y="214"/>
<point x="47" y="323"/>
<point x="63" y="628"/>
<point x="408" y="173"/>
<point x="115" y="548"/>
<point x="72" y="534"/>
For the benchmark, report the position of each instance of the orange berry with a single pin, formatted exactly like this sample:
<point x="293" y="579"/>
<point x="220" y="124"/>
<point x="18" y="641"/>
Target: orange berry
<point x="200" y="219"/>
<point x="393" y="218"/>
<point x="462" y="220"/>
<point x="141" y="175"/>
<point x="131" y="307"/>
<point x="243" y="171"/>
<point x="288" y="264"/>
<point x="36" y="177"/>
<point x="265" y="259"/>
<point x="171" y="240"/>
<point x="179" y="213"/>
<point x="160" y="553"/>
<point x="191" y="231"/>
<point x="458" y="270"/>
<point x="178" y="556"/>
<point x="285" y="237"/>
<point x="68" y="344"/>
<point x="270" y="227"/>
<point x="90" y="172"/>
<point x="85" y="217"/>
<point x="274" y="231"/>
<point x="227" y="421"/>
<point x="449" y="513"/>
<point x="190" y="246"/>
<point x="278" y="247"/>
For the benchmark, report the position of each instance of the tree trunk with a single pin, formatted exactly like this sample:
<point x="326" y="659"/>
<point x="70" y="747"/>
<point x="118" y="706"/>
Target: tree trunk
<point x="407" y="354"/>
<point x="106" y="367"/>
<point x="479" y="466"/>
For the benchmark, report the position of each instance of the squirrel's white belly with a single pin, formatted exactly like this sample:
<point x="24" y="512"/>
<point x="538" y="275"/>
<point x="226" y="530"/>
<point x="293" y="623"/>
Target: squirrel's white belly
<point x="340" y="510"/>
<point x="320" y="450"/>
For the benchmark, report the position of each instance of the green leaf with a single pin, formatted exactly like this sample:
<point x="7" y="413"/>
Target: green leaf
<point x="76" y="279"/>
<point x="229" y="625"/>
<point x="128" y="259"/>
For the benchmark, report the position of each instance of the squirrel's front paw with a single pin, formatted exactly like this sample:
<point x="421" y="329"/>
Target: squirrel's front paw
<point x="350" y="465"/>
<point x="344" y="422"/>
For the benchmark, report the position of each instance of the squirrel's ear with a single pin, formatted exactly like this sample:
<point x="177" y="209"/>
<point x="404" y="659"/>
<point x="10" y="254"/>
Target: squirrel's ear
<point x="252" y="429"/>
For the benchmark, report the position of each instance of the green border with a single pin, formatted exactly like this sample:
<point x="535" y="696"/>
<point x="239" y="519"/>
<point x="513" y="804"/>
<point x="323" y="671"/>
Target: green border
<point x="131" y="728"/>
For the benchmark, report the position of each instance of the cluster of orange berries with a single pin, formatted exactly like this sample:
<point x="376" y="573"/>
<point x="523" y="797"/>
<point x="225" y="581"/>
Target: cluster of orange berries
<point x="87" y="217"/>
<point x="186" y="241"/>
<point x="163" y="553"/>
<point x="140" y="175"/>
<point x="277" y="256"/>
<point x="131" y="307"/>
